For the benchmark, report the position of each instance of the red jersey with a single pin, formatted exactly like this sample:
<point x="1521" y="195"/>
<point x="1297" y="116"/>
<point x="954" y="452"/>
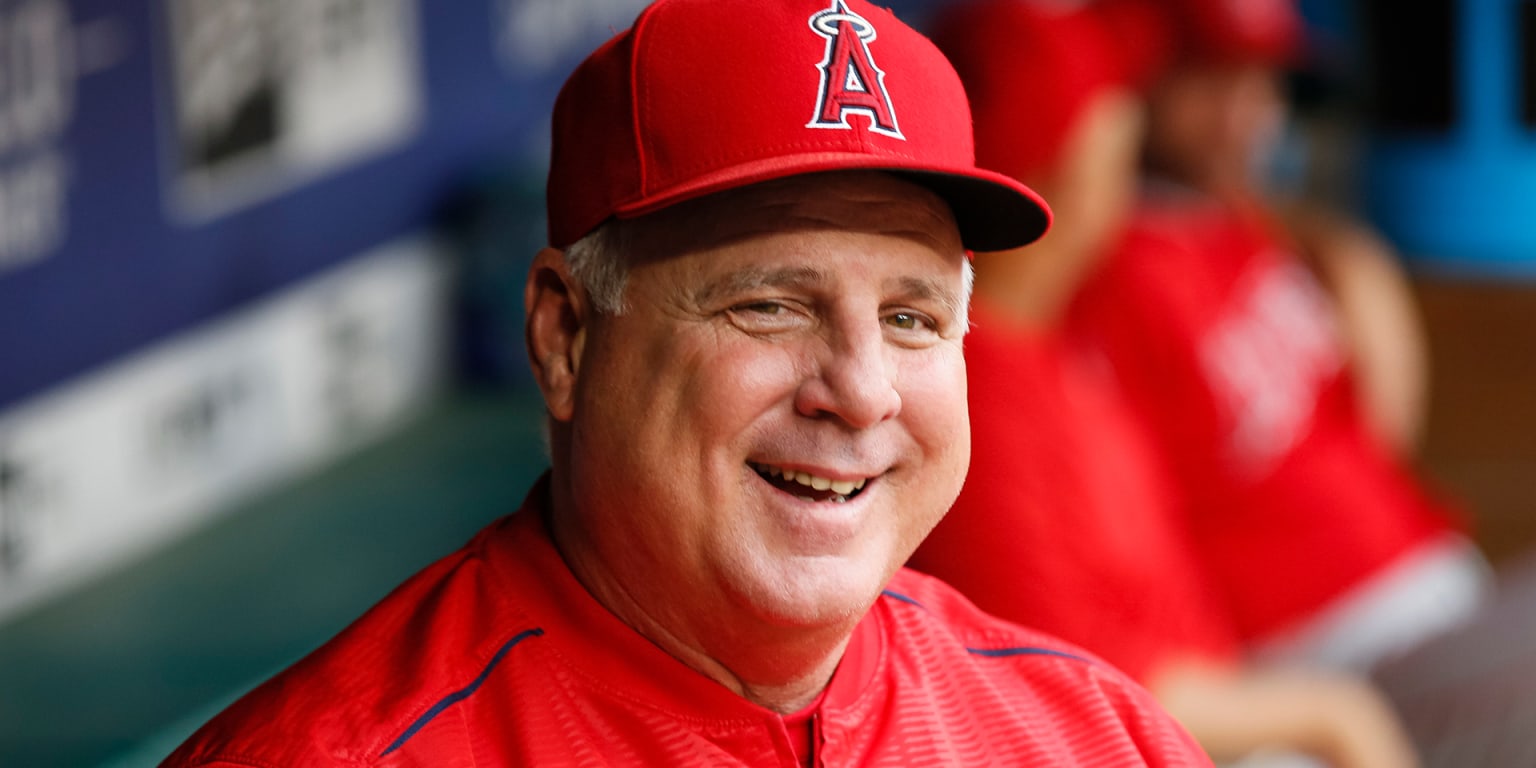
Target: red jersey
<point x="496" y="656"/>
<point x="1066" y="523"/>
<point x="1225" y="343"/>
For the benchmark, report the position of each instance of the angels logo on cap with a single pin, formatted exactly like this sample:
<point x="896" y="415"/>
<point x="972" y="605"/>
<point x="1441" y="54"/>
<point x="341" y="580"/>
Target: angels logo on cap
<point x="850" y="81"/>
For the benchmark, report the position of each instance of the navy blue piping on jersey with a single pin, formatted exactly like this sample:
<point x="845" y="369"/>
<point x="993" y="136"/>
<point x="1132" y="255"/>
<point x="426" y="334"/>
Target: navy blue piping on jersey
<point x="461" y="694"/>
<point x="999" y="653"/>
<point x="991" y="653"/>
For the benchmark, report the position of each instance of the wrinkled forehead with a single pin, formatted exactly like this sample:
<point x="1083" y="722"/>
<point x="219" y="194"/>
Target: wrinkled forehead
<point x="856" y="202"/>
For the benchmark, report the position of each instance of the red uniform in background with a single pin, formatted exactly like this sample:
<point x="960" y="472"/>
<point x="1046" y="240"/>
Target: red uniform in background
<point x="1065" y="488"/>
<point x="496" y="656"/>
<point x="1226" y="345"/>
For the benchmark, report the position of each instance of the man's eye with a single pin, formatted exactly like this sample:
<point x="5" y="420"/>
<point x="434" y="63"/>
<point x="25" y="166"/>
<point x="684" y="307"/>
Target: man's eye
<point x="762" y="308"/>
<point x="767" y="316"/>
<point x="906" y="321"/>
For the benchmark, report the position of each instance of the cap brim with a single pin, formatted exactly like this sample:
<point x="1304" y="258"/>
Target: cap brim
<point x="993" y="212"/>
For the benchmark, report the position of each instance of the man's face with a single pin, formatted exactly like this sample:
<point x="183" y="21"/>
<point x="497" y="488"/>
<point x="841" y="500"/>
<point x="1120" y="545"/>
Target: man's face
<point x="1211" y="125"/>
<point x="779" y="416"/>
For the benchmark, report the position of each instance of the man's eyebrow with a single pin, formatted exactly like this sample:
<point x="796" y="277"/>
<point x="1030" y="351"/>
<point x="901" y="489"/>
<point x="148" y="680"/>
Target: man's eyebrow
<point x="751" y="278"/>
<point x="927" y="289"/>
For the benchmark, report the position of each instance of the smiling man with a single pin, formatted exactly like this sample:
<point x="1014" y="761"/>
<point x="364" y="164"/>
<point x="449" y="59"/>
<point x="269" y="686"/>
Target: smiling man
<point x="748" y="334"/>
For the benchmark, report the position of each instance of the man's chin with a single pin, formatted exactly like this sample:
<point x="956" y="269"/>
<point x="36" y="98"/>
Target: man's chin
<point x="818" y="593"/>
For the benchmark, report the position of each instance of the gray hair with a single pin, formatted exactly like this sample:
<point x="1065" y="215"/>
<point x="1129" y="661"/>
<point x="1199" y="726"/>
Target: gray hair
<point x="599" y="263"/>
<point x="970" y="288"/>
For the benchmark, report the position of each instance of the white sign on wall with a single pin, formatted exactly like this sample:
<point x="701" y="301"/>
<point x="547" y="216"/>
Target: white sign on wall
<point x="268" y="94"/>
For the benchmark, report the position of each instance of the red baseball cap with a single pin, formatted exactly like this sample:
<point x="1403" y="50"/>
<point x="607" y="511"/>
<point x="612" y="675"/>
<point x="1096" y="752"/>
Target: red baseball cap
<point x="1029" y="69"/>
<point x="1237" y="31"/>
<point x="1145" y="35"/>
<point x="702" y="96"/>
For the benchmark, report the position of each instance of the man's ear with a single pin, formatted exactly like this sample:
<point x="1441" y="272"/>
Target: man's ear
<point x="557" y="313"/>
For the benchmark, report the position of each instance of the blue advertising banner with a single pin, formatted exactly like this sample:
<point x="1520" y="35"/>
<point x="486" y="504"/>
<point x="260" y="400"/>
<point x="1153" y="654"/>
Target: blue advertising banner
<point x="163" y="162"/>
<point x="218" y="265"/>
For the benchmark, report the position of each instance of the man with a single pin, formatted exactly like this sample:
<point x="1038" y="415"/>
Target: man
<point x="1328" y="550"/>
<point x="748" y="336"/>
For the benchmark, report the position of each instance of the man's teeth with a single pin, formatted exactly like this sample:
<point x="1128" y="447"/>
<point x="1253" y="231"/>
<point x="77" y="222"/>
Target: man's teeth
<point x="844" y="487"/>
<point x="839" y="487"/>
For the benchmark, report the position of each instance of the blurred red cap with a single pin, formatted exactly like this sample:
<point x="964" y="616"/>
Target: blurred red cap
<point x="1238" y="31"/>
<point x="1029" y="69"/>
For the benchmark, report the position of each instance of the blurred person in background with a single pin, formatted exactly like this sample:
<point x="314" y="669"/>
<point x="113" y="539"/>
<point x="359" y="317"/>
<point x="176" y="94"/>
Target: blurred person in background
<point x="1067" y="522"/>
<point x="748" y="337"/>
<point x="1219" y="115"/>
<point x="1283" y="402"/>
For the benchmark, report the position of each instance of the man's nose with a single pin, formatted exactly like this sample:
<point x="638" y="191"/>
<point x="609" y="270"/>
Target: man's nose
<point x="854" y="378"/>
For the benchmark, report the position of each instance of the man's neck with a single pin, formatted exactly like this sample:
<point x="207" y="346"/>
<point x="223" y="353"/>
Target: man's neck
<point x="791" y="691"/>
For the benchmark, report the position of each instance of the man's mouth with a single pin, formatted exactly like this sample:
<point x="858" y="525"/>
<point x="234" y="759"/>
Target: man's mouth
<point x="807" y="486"/>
